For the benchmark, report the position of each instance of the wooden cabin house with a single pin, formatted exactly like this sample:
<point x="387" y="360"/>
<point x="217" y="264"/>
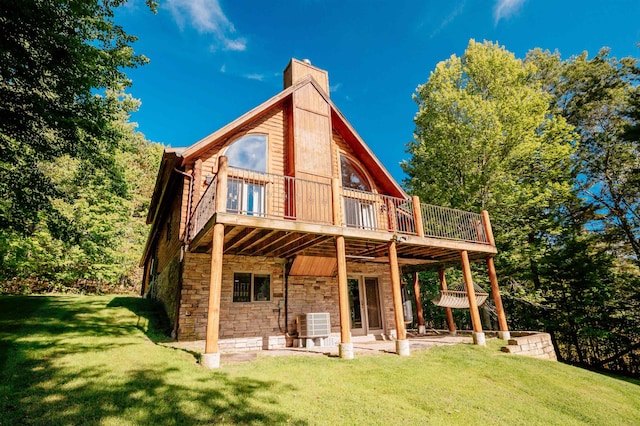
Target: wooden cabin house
<point x="283" y="223"/>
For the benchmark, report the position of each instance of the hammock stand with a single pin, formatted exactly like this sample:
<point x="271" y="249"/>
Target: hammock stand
<point x="456" y="297"/>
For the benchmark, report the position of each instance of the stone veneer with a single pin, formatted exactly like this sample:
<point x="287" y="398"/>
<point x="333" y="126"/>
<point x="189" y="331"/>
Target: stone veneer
<point x="533" y="344"/>
<point x="261" y="325"/>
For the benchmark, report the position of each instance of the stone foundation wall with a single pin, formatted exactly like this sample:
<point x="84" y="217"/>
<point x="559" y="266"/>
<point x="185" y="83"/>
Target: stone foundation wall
<point x="167" y="285"/>
<point x="259" y="325"/>
<point x="237" y="320"/>
<point x="537" y="345"/>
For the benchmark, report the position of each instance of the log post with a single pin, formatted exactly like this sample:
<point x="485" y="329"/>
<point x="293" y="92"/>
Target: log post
<point x="416" y="291"/>
<point x="346" y="347"/>
<point x="478" y="334"/>
<point x="336" y="202"/>
<point x="493" y="278"/>
<point x="221" y="185"/>
<point x="417" y="216"/>
<point x="211" y="356"/>
<point x="443" y="286"/>
<point x="402" y="344"/>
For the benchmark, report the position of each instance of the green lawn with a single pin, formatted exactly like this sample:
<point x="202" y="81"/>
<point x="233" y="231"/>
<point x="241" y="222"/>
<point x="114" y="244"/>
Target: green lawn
<point x="93" y="360"/>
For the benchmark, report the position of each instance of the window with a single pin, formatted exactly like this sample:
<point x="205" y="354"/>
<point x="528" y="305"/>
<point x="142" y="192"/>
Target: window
<point x="249" y="287"/>
<point x="249" y="152"/>
<point x="358" y="213"/>
<point x="244" y="195"/>
<point x="352" y="175"/>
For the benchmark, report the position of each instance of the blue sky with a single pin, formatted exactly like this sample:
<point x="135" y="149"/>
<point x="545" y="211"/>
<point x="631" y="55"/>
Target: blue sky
<point x="213" y="60"/>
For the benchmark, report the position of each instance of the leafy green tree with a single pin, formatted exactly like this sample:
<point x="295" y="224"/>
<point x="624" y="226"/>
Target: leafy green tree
<point x="486" y="138"/>
<point x="600" y="98"/>
<point x="95" y="230"/>
<point x="57" y="58"/>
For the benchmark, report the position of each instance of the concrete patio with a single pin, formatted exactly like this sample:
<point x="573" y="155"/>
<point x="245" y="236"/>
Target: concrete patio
<point x="362" y="345"/>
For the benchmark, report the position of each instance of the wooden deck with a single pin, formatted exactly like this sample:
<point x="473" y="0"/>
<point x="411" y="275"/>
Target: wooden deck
<point x="280" y="216"/>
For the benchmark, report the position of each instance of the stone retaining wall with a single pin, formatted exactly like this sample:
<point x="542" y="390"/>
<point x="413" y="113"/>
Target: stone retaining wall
<point x="533" y="344"/>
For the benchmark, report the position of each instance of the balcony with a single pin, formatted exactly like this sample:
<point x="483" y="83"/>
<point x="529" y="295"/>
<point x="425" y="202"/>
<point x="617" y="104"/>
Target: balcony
<point x="273" y="215"/>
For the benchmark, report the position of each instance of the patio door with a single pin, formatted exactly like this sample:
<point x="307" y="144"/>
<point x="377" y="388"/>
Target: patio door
<point x="365" y="307"/>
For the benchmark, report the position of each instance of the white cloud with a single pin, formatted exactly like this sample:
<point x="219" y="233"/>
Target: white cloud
<point x="223" y="68"/>
<point x="505" y="8"/>
<point x="255" y="76"/>
<point x="207" y="17"/>
<point x="334" y="88"/>
<point x="449" y="19"/>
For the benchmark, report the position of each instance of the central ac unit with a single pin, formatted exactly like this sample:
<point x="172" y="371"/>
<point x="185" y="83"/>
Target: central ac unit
<point x="313" y="325"/>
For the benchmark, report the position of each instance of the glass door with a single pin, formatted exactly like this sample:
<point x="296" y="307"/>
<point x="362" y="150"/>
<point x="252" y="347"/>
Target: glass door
<point x="374" y="312"/>
<point x="355" y="306"/>
<point x="364" y="305"/>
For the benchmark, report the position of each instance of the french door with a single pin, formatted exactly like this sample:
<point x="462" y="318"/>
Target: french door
<point x="245" y="197"/>
<point x="365" y="306"/>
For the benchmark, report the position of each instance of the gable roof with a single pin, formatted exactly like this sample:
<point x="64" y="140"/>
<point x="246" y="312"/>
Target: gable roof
<point x="339" y="122"/>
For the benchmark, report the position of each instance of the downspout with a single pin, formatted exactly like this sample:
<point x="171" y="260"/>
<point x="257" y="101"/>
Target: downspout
<point x="183" y="239"/>
<point x="287" y="268"/>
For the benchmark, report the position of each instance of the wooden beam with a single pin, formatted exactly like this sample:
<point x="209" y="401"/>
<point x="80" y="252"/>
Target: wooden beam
<point x="493" y="277"/>
<point x="471" y="292"/>
<point x="273" y="248"/>
<point x="495" y="292"/>
<point x="241" y="237"/>
<point x="416" y="292"/>
<point x="343" y="299"/>
<point x="275" y="240"/>
<point x="443" y="286"/>
<point x="311" y="240"/>
<point x="215" y="287"/>
<point x="417" y="216"/>
<point x="260" y="238"/>
<point x="221" y="184"/>
<point x="336" y="202"/>
<point x="396" y="292"/>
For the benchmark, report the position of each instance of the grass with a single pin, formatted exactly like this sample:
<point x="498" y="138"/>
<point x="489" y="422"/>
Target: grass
<point x="94" y="360"/>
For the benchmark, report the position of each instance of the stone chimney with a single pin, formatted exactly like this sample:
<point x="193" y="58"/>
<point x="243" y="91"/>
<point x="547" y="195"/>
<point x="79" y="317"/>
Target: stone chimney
<point x="297" y="70"/>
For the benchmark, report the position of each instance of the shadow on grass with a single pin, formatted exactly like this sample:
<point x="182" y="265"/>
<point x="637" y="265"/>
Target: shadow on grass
<point x="69" y="360"/>
<point x="152" y="318"/>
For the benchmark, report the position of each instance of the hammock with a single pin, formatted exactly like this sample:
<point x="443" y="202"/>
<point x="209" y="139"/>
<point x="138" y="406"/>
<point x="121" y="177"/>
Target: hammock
<point x="456" y="297"/>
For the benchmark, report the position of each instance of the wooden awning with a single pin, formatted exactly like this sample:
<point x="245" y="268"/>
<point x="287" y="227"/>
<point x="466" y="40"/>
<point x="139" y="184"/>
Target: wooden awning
<point x="314" y="266"/>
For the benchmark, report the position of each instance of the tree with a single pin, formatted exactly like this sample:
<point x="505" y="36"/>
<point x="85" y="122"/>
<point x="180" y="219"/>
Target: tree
<point x="601" y="99"/>
<point x="486" y="139"/>
<point x="57" y="59"/>
<point x="95" y="229"/>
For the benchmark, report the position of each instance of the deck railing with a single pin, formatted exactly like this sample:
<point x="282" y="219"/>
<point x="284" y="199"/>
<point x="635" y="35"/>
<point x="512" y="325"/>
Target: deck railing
<point x="283" y="197"/>
<point x="274" y="196"/>
<point x="205" y="208"/>
<point x="376" y="212"/>
<point x="452" y="224"/>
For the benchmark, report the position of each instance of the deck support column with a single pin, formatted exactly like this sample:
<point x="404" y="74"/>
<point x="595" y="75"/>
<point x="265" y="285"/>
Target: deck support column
<point x="451" y="325"/>
<point x="402" y="344"/>
<point x="478" y="334"/>
<point x="416" y="291"/>
<point x="211" y="356"/>
<point x="346" y="347"/>
<point x="493" y="278"/>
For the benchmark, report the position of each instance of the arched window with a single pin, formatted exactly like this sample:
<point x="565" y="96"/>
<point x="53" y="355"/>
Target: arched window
<point x="352" y="176"/>
<point x="359" y="211"/>
<point x="249" y="152"/>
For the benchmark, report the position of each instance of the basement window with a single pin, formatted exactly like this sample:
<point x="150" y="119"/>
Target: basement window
<point x="248" y="287"/>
